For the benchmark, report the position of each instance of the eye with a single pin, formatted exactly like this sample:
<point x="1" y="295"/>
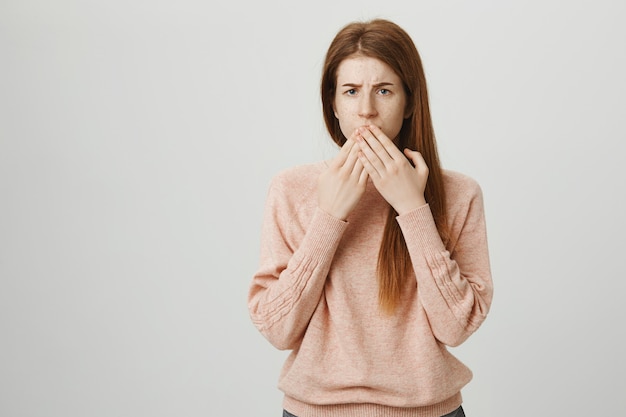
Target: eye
<point x="351" y="92"/>
<point x="384" y="91"/>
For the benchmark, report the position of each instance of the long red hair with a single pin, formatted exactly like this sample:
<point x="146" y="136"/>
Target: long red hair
<point x="388" y="42"/>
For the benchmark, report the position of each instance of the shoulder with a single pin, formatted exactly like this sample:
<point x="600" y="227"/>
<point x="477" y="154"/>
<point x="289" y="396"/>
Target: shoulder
<point x="296" y="185"/>
<point x="463" y="194"/>
<point x="460" y="186"/>
<point x="298" y="179"/>
<point x="299" y="175"/>
<point x="464" y="206"/>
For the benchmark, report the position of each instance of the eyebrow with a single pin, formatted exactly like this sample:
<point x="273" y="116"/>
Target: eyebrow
<point x="383" y="84"/>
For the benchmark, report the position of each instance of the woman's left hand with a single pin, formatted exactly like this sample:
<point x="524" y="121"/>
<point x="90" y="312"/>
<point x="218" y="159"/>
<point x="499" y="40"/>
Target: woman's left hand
<point x="399" y="182"/>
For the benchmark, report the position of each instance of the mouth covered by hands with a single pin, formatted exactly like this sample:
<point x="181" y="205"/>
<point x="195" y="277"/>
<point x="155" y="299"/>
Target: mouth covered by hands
<point x="399" y="182"/>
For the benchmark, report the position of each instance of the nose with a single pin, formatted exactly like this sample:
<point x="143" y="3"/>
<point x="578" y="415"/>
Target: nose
<point x="367" y="109"/>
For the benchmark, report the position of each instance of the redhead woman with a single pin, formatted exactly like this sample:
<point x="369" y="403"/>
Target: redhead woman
<point x="373" y="263"/>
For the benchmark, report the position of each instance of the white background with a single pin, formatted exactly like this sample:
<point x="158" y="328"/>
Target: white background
<point x="137" y="140"/>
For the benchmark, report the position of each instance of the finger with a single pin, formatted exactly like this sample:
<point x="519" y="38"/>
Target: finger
<point x="352" y="159"/>
<point x="369" y="157"/>
<point x="387" y="144"/>
<point x="368" y="166"/>
<point x="346" y="164"/>
<point x="374" y="144"/>
<point x="416" y="158"/>
<point x="364" y="175"/>
<point x="357" y="169"/>
<point x="344" y="152"/>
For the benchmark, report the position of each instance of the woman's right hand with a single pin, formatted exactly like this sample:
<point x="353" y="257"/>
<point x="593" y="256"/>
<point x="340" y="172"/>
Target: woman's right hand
<point x="343" y="183"/>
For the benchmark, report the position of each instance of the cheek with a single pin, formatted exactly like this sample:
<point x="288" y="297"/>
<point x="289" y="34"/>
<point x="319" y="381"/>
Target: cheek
<point x="342" y="109"/>
<point x="393" y="125"/>
<point x="346" y="122"/>
<point x="346" y="127"/>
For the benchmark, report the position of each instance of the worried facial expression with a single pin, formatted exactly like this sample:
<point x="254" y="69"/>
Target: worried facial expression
<point x="369" y="92"/>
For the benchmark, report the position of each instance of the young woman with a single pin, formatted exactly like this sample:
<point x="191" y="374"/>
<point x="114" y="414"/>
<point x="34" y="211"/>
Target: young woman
<point x="375" y="261"/>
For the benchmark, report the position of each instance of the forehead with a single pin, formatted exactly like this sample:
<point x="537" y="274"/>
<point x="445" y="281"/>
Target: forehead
<point x="363" y="69"/>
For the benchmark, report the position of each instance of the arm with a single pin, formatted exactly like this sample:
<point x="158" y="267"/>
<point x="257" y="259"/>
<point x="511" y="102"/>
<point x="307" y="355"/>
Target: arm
<point x="288" y="285"/>
<point x="296" y="257"/>
<point x="455" y="287"/>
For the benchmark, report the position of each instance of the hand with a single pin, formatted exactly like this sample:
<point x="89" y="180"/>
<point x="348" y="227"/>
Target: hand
<point x="399" y="182"/>
<point x="343" y="183"/>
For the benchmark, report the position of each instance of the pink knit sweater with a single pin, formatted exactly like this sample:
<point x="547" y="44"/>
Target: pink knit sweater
<point x="316" y="294"/>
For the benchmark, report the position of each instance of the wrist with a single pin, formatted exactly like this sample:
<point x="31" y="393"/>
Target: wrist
<point x="333" y="212"/>
<point x="410" y="206"/>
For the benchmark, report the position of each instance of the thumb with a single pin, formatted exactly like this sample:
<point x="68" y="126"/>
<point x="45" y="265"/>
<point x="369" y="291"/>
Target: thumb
<point x="413" y="156"/>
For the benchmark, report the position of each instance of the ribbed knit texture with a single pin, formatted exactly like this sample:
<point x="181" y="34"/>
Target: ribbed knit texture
<point x="316" y="293"/>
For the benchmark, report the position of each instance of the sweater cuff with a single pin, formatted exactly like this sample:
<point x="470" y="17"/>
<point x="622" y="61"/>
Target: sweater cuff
<point x="419" y="226"/>
<point x="323" y="235"/>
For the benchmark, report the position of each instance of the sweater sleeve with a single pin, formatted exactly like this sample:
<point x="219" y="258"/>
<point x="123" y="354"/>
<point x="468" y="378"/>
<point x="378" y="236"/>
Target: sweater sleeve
<point x="455" y="287"/>
<point x="294" y="264"/>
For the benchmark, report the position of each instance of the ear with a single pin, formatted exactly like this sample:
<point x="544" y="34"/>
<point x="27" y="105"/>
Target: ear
<point x="335" y="110"/>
